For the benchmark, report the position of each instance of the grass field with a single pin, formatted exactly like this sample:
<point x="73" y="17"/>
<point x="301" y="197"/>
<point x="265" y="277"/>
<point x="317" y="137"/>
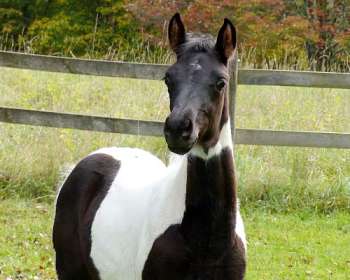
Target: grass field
<point x="290" y="246"/>
<point x="296" y="201"/>
<point x="279" y="178"/>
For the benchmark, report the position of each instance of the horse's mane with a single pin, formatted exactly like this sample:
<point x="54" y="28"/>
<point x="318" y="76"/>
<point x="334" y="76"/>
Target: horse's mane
<point x="201" y="42"/>
<point x="198" y="42"/>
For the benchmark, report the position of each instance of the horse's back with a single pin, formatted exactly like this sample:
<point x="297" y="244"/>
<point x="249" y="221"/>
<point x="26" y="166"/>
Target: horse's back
<point x="95" y="179"/>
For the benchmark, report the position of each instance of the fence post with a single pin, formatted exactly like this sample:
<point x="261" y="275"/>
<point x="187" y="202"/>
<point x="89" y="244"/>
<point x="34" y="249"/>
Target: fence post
<point x="232" y="93"/>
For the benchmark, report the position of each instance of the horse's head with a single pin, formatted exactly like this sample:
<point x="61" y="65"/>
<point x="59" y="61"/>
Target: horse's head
<point x="197" y="85"/>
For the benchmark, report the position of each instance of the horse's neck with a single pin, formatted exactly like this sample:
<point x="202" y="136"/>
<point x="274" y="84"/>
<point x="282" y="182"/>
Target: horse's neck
<point x="212" y="174"/>
<point x="211" y="193"/>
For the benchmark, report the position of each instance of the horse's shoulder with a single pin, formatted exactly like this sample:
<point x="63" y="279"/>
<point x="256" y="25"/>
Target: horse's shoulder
<point x="131" y="155"/>
<point x="98" y="163"/>
<point x="94" y="172"/>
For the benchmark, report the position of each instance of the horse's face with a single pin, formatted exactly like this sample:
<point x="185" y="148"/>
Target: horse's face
<point x="197" y="85"/>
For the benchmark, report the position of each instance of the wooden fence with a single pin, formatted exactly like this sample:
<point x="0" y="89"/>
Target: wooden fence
<point x="156" y="72"/>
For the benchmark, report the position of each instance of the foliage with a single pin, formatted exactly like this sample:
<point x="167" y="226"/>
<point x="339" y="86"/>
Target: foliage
<point x="273" y="32"/>
<point x="66" y="27"/>
<point x="299" y="34"/>
<point x="330" y="25"/>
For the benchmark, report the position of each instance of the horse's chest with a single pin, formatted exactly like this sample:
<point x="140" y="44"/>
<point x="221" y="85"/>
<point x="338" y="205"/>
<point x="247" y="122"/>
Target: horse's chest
<point x="172" y="258"/>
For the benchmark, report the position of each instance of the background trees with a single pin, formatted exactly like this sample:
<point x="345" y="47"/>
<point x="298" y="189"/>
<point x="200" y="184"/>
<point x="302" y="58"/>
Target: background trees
<point x="66" y="27"/>
<point x="306" y="34"/>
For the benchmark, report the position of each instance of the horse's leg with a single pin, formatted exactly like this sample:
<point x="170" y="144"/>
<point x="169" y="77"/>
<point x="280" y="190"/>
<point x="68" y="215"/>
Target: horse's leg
<point x="69" y="261"/>
<point x="69" y="258"/>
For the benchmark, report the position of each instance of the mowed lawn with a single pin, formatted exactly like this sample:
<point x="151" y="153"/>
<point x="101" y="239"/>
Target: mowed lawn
<point x="296" y="246"/>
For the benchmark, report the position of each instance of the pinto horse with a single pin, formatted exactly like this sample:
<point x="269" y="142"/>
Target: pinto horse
<point x="122" y="214"/>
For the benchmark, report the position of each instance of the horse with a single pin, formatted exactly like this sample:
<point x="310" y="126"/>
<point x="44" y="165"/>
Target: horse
<point x="122" y="214"/>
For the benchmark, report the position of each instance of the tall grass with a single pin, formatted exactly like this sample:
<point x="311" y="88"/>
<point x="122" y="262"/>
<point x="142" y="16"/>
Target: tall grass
<point x="138" y="50"/>
<point x="144" y="51"/>
<point x="276" y="178"/>
<point x="262" y="58"/>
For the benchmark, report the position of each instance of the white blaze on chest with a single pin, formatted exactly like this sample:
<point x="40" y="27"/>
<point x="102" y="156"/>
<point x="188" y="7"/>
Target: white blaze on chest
<point x="143" y="201"/>
<point x="225" y="141"/>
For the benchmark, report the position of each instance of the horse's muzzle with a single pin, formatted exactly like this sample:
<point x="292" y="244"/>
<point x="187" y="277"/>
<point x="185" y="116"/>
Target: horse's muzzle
<point x="179" y="135"/>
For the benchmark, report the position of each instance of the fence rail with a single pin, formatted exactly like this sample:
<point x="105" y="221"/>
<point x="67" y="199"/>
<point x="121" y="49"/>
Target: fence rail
<point x="155" y="72"/>
<point x="148" y="128"/>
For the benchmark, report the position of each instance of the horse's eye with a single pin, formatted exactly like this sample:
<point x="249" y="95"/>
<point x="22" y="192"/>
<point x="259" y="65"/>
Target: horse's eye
<point x="220" y="84"/>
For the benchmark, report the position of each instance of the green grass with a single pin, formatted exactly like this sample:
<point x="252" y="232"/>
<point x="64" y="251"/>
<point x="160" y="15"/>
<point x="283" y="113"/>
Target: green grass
<point x="280" y="179"/>
<point x="298" y="245"/>
<point x="295" y="201"/>
<point x="25" y="240"/>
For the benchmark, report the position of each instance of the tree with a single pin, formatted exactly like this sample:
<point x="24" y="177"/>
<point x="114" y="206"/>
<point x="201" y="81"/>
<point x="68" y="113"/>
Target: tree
<point x="330" y="20"/>
<point x="267" y="35"/>
<point x="65" y="27"/>
<point x="272" y="33"/>
<point x="297" y="34"/>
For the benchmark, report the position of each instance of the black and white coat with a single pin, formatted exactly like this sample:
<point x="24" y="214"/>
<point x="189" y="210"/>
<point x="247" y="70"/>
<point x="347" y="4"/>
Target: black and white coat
<point x="122" y="214"/>
<point x="131" y="200"/>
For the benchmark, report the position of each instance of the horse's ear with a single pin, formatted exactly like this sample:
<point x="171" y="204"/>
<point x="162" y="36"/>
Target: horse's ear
<point x="176" y="32"/>
<point x="226" y="41"/>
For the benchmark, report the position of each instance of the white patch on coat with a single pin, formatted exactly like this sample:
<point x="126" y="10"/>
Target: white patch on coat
<point x="239" y="228"/>
<point x="143" y="201"/>
<point x="196" y="66"/>
<point x="145" y="198"/>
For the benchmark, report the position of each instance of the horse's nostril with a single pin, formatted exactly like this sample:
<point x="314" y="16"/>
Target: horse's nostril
<point x="187" y="125"/>
<point x="186" y="136"/>
<point x="178" y="129"/>
<point x="186" y="129"/>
